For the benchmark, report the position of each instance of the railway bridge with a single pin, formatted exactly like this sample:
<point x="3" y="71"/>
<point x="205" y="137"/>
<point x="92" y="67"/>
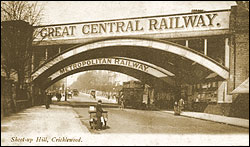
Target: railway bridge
<point x="201" y="54"/>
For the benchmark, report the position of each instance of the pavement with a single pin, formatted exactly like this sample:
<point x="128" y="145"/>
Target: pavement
<point x="40" y="126"/>
<point x="216" y="118"/>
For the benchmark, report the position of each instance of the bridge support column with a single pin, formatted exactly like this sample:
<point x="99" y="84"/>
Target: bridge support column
<point x="223" y="95"/>
<point x="205" y="47"/>
<point x="46" y="54"/>
<point x="186" y="43"/>
<point x="239" y="47"/>
<point x="227" y="52"/>
<point x="32" y="61"/>
<point x="32" y="94"/>
<point x="38" y="95"/>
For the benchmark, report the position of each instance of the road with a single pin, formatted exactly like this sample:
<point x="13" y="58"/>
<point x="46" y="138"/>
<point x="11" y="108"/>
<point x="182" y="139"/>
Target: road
<point x="141" y="121"/>
<point x="83" y="97"/>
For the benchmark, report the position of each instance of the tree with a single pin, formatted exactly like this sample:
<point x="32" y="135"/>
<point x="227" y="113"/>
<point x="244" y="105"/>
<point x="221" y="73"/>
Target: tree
<point x="16" y="40"/>
<point x="97" y="80"/>
<point x="243" y="4"/>
<point x="56" y="86"/>
<point x="17" y="34"/>
<point x="21" y="10"/>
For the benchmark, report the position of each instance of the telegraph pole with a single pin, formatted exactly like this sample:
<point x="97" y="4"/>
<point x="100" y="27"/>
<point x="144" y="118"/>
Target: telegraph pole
<point x="66" y="89"/>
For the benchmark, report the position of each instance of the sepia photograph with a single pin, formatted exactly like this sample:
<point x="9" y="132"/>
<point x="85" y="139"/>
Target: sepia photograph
<point x="125" y="73"/>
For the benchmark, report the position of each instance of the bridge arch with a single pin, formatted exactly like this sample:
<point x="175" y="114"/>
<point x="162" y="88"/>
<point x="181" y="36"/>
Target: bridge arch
<point x="149" y="79"/>
<point x="53" y="64"/>
<point x="116" y="61"/>
<point x="118" y="64"/>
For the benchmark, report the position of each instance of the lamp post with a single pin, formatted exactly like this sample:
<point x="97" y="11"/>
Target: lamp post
<point x="66" y="88"/>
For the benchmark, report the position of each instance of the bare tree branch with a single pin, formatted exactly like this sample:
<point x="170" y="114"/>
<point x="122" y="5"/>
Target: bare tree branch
<point x="17" y="19"/>
<point x="243" y="4"/>
<point x="21" y="10"/>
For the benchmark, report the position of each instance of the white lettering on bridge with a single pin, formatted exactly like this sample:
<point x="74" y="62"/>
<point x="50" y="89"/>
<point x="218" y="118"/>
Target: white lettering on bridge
<point x="109" y="61"/>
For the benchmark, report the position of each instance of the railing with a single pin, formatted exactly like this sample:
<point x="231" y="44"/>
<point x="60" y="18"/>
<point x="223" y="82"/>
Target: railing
<point x="22" y="104"/>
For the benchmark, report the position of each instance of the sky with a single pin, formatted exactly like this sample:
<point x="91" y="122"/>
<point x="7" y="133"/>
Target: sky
<point x="59" y="12"/>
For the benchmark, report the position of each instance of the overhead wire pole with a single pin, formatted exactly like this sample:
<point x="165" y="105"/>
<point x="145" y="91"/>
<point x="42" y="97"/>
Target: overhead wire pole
<point x="66" y="88"/>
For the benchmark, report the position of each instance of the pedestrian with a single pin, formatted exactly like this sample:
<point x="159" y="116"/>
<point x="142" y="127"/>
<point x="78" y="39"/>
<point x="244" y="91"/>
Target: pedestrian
<point x="99" y="114"/>
<point x="47" y="101"/>
<point x="181" y="104"/>
<point x="117" y="99"/>
<point x="176" y="108"/>
<point x="50" y="97"/>
<point x="58" y="96"/>
<point x="121" y="102"/>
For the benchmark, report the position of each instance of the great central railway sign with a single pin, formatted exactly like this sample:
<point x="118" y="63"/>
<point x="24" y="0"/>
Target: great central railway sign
<point x="204" y="21"/>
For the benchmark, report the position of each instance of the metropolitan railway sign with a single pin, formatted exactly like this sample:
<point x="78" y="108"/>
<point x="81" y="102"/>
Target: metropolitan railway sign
<point x="113" y="61"/>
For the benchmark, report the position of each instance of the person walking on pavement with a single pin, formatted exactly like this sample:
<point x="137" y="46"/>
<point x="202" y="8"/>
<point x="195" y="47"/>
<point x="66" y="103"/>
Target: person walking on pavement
<point x="181" y="104"/>
<point x="50" y="97"/>
<point x="99" y="114"/>
<point x="121" y="102"/>
<point x="176" y="108"/>
<point x="58" y="96"/>
<point x="47" y="101"/>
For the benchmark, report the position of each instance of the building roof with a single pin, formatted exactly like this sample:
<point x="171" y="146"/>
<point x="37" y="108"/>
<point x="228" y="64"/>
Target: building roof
<point x="242" y="88"/>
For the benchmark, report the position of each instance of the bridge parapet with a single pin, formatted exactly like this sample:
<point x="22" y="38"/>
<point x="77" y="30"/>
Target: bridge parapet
<point x="164" y="26"/>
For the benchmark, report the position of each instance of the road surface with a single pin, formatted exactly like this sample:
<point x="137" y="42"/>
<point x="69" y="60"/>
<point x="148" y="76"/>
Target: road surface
<point x="141" y="121"/>
<point x="83" y="97"/>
